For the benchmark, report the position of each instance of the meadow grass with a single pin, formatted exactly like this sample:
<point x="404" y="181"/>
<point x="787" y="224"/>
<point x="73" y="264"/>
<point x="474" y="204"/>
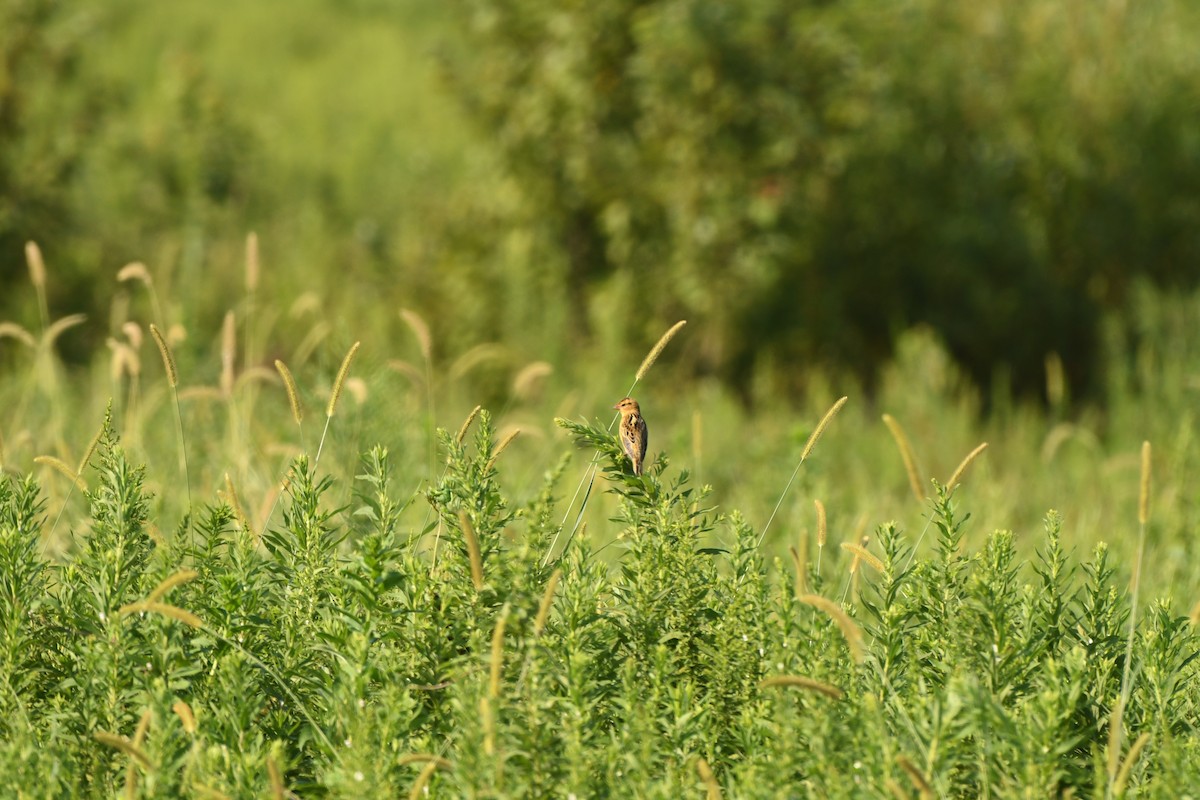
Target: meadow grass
<point x="249" y="641"/>
<point x="211" y="604"/>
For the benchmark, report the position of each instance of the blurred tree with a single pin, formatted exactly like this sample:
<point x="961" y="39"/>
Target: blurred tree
<point x="42" y="126"/>
<point x="806" y="179"/>
<point x="95" y="174"/>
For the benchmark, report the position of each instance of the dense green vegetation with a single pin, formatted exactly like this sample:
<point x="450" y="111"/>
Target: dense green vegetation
<point x="355" y="654"/>
<point x="809" y="180"/>
<point x="212" y="588"/>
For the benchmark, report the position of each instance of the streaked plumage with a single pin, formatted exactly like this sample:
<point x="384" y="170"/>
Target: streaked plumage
<point x="632" y="433"/>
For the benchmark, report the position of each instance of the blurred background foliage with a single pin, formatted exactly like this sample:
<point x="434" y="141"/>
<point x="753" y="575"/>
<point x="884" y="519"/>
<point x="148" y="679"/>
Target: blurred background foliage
<point x="803" y="181"/>
<point x="812" y="178"/>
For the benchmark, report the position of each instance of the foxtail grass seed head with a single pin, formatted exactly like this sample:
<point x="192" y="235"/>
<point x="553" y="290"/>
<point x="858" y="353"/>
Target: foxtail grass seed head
<point x="125" y="746"/>
<point x="711" y="786"/>
<point x="418" y="787"/>
<point x="231" y="497"/>
<point x="801" y="570"/>
<point x="357" y="388"/>
<point x="1056" y="384"/>
<point x="177" y="579"/>
<point x="821" y="528"/>
<point x="963" y="465"/>
<point x="801" y="682"/>
<point x="462" y="431"/>
<point x="500" y="449"/>
<point x="186" y="718"/>
<point x="134" y="271"/>
<point x="820" y="429"/>
<point x="37" y="266"/>
<point x="488" y="723"/>
<point x="173" y="612"/>
<point x="167" y="359"/>
<point x="529" y="380"/>
<point x="420" y="330"/>
<point x="139" y="733"/>
<point x="252" y="262"/>
<point x="124" y="362"/>
<point x="909" y="458"/>
<point x="863" y="554"/>
<point x="340" y="381"/>
<point x="61" y="466"/>
<point x="850" y="630"/>
<point x="228" y="352"/>
<point x="543" y="615"/>
<point x="656" y="351"/>
<point x="293" y="394"/>
<point x="1131" y="759"/>
<point x="1144" y="491"/>
<point x="91" y="450"/>
<point x="916" y="776"/>
<point x="473" y="554"/>
<point x="132" y="362"/>
<point x="1116" y="729"/>
<point x="133" y="332"/>
<point x="61" y="325"/>
<point x="424" y="758"/>
<point x="278" y="792"/>
<point x="11" y="330"/>
<point x="1194" y="616"/>
<point x="497" y="661"/>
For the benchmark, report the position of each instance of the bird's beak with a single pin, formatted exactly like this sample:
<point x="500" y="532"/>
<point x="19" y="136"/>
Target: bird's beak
<point x="616" y="406"/>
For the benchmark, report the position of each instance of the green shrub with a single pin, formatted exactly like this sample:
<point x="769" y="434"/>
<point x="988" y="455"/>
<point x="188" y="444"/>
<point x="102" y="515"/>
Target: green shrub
<point x="355" y="651"/>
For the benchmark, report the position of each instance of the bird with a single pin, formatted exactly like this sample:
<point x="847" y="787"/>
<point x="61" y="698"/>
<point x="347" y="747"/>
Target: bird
<point x="632" y="433"/>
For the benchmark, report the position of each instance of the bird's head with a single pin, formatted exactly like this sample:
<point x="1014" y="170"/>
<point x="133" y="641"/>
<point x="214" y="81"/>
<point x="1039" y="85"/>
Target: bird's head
<point x="628" y="406"/>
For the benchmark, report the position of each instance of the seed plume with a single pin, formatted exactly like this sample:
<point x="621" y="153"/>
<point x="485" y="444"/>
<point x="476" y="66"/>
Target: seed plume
<point x="956" y="476"/>
<point x="251" y="262"/>
<point x="539" y="624"/>
<point x="710" y="780"/>
<point x="820" y="429"/>
<point x="656" y="351"/>
<point x="293" y="395"/>
<point x="420" y="330"/>
<point x="1144" y="489"/>
<point x="497" y="660"/>
<point x="341" y="379"/>
<point x="801" y="682"/>
<point x="37" y="266"/>
<point x="906" y="453"/>
<point x="462" y="431"/>
<point x="178" y="578"/>
<point x="228" y="352"/>
<point x="473" y="553"/>
<point x="850" y="631"/>
<point x="862" y="553"/>
<point x="165" y="351"/>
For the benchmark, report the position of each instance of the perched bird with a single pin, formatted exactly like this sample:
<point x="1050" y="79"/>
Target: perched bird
<point x="632" y="433"/>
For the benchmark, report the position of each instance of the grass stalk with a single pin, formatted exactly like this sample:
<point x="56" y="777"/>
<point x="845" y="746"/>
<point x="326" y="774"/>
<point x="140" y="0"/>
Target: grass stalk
<point x="331" y="407"/>
<point x="804" y="454"/>
<point x="1117" y="733"/>
<point x="168" y="359"/>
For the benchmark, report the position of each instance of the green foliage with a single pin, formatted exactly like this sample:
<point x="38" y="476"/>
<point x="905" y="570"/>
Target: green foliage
<point x="808" y="178"/>
<point x="348" y="648"/>
<point x="84" y="170"/>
